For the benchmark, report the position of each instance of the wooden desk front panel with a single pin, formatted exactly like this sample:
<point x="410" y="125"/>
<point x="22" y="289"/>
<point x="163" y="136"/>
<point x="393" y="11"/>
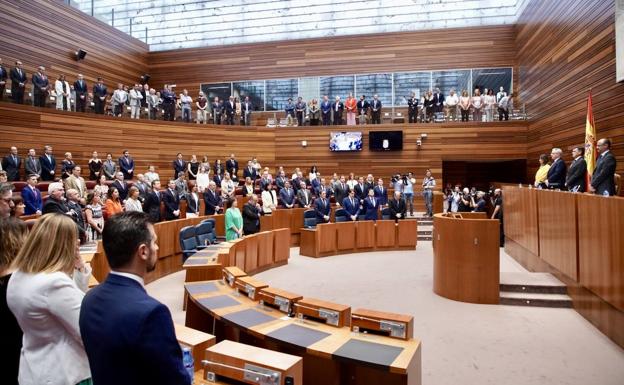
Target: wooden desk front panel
<point x="407" y="233"/>
<point x="558" y="230"/>
<point x="365" y="235"/>
<point x="308" y="245"/>
<point x="601" y="247"/>
<point x="521" y="225"/>
<point x="240" y="251"/>
<point x="345" y="236"/>
<point x="296" y="220"/>
<point x="385" y="234"/>
<point x="281" y="245"/>
<point x="266" y="222"/>
<point x="282" y="218"/>
<point x="265" y="249"/>
<point x="251" y="252"/>
<point x="326" y="238"/>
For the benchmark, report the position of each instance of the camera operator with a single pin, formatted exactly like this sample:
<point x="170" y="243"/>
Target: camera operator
<point x="464" y="205"/>
<point x="454" y="199"/>
<point x="479" y="205"/>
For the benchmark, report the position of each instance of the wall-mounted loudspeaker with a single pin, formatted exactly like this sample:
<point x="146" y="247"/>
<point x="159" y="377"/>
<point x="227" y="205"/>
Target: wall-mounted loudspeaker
<point x="80" y="54"/>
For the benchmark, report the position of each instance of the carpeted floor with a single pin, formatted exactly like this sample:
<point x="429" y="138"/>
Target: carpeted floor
<point x="461" y="343"/>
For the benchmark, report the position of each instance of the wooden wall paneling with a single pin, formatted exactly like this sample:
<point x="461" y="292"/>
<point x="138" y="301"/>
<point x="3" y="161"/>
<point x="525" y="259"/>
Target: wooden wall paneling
<point x="564" y="49"/>
<point x="48" y="33"/>
<point x="557" y="221"/>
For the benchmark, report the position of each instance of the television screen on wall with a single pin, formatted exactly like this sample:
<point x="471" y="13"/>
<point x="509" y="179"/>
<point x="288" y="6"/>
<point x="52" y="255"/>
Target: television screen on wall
<point x="385" y="140"/>
<point x="345" y="141"/>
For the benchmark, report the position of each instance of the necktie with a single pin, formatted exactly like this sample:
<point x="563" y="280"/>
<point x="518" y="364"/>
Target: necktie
<point x="352" y="204"/>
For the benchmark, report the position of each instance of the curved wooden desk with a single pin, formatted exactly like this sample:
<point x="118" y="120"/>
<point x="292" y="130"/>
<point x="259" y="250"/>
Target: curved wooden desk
<point x="361" y="236"/>
<point x="331" y="355"/>
<point x="466" y="264"/>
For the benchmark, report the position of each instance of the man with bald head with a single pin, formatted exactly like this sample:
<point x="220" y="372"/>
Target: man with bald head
<point x="11" y="164"/>
<point x="557" y="173"/>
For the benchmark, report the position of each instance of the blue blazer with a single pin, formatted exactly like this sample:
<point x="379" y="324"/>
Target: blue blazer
<point x="47" y="165"/>
<point x="32" y="200"/>
<point x="287" y="199"/>
<point x="125" y="165"/>
<point x="371" y="210"/>
<point x="326" y="107"/>
<point x="352" y="209"/>
<point x="557" y="174"/>
<point x="129" y="336"/>
<point x="321" y="209"/>
<point x="381" y="197"/>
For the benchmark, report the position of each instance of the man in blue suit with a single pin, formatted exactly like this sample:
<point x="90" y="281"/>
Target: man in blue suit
<point x="48" y="164"/>
<point x="82" y="93"/>
<point x="32" y="197"/>
<point x="322" y="209"/>
<point x="351" y="205"/>
<point x="381" y="193"/>
<point x="129" y="336"/>
<point x="126" y="165"/>
<point x="326" y="111"/>
<point x="287" y="196"/>
<point x="371" y="205"/>
<point x="603" y="178"/>
<point x="557" y="173"/>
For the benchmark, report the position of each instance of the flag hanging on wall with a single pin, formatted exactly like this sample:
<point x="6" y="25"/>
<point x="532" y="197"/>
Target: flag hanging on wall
<point x="590" y="139"/>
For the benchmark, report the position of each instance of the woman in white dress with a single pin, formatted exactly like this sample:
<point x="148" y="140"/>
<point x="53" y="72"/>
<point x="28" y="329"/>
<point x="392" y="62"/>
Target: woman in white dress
<point x="490" y="105"/>
<point x="203" y="178"/>
<point x="63" y="92"/>
<point x="477" y="106"/>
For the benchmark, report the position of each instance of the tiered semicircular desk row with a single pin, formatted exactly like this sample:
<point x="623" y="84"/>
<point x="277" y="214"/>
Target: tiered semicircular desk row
<point x="338" y="346"/>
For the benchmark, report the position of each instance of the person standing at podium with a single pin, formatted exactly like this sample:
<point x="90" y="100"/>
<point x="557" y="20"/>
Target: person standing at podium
<point x="397" y="206"/>
<point x="322" y="208"/>
<point x="603" y="178"/>
<point x="575" y="181"/>
<point x="555" y="179"/>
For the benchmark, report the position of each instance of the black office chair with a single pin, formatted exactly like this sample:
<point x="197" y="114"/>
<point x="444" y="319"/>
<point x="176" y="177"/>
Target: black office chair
<point x="309" y="219"/>
<point x="188" y="242"/>
<point x="205" y="233"/>
<point x="385" y="213"/>
<point x="341" y="215"/>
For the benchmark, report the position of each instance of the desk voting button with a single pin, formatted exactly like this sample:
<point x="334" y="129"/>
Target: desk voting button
<point x="249" y="286"/>
<point x="389" y="324"/>
<point x="231" y="274"/>
<point x="279" y="299"/>
<point x="323" y="311"/>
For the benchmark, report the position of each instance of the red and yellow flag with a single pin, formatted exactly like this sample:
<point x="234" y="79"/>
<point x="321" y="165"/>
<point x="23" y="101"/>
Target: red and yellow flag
<point x="590" y="138"/>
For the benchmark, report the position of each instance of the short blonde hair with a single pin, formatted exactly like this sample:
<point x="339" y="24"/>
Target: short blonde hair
<point x="50" y="247"/>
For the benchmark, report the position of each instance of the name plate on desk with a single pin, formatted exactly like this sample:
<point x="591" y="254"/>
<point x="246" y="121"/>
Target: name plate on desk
<point x="389" y="324"/>
<point x="330" y="313"/>
<point x="231" y="274"/>
<point x="249" y="286"/>
<point x="230" y="361"/>
<point x="280" y="299"/>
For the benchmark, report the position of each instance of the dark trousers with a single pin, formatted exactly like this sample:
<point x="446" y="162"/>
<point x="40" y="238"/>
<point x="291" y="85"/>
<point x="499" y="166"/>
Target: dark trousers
<point x="2" y="86"/>
<point x="464" y="115"/>
<point x="411" y="113"/>
<point x="169" y="112"/>
<point x="503" y="113"/>
<point x="40" y="98"/>
<point x="300" y="118"/>
<point x="337" y="118"/>
<point x="17" y="94"/>
<point x="376" y="117"/>
<point x="153" y="113"/>
<point x="217" y="118"/>
<point x="326" y="119"/>
<point x="81" y="103"/>
<point x="98" y="105"/>
<point x="229" y="118"/>
<point x="118" y="109"/>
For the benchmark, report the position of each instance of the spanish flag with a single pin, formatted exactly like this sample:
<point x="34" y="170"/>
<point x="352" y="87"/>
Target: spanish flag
<point x="590" y="139"/>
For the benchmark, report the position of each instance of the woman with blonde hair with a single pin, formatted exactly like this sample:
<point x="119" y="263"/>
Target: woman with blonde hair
<point x="13" y="233"/>
<point x="46" y="303"/>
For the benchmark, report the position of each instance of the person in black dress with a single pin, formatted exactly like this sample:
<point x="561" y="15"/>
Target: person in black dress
<point x="67" y="166"/>
<point x="95" y="167"/>
<point x="193" y="168"/>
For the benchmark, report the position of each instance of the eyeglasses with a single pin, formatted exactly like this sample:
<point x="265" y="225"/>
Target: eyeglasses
<point x="8" y="201"/>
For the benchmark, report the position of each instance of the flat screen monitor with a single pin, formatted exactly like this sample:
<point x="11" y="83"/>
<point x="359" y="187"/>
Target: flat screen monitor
<point x="345" y="141"/>
<point x="385" y="140"/>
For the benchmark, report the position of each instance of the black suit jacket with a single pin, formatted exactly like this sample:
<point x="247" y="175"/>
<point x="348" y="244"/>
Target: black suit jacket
<point x="251" y="174"/>
<point x="603" y="179"/>
<point x="340" y="194"/>
<point x="397" y="207"/>
<point x="16" y="79"/>
<point x="54" y="206"/>
<point x="40" y="83"/>
<point x="576" y="175"/>
<point x="177" y="167"/>
<point x="212" y="201"/>
<point x="32" y="166"/>
<point x="122" y="187"/>
<point x="47" y="165"/>
<point x="192" y="206"/>
<point x="557" y="174"/>
<point x="229" y="107"/>
<point x="172" y="203"/>
<point x="3" y="74"/>
<point x="251" y="219"/>
<point x="231" y="165"/>
<point x="152" y="206"/>
<point x="360" y="191"/>
<point x="80" y="88"/>
<point x="11" y="167"/>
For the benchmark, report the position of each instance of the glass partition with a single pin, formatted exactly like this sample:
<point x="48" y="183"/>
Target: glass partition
<point x="407" y="82"/>
<point x="254" y="89"/>
<point x="447" y="80"/>
<point x="333" y="86"/>
<point x="375" y="84"/>
<point x="278" y="92"/>
<point x="492" y="78"/>
<point x="222" y="90"/>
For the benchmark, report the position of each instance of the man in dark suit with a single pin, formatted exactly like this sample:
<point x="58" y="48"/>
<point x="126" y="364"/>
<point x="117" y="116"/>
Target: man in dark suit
<point x="300" y="111"/>
<point x="341" y="190"/>
<point x="48" y="164"/>
<point x="55" y="202"/>
<point x="576" y="179"/>
<point x="152" y="202"/>
<point x="12" y="164"/>
<point x="32" y="197"/>
<point x="168" y="103"/>
<point x="120" y="184"/>
<point x="99" y="96"/>
<point x="304" y="198"/>
<point x="3" y="78"/>
<point x="250" y="172"/>
<point x="438" y="101"/>
<point x="326" y="111"/>
<point x="217" y="178"/>
<point x="246" y="109"/>
<point x="352" y="205"/>
<point x="381" y="193"/>
<point x="556" y="176"/>
<point x="129" y="336"/>
<point x="230" y="111"/>
<point x="287" y="196"/>
<point x="251" y="216"/>
<point x="143" y="187"/>
<point x="280" y="181"/>
<point x="322" y="209"/>
<point x="412" y="108"/>
<point x="231" y="166"/>
<point x="337" y="107"/>
<point x="397" y="206"/>
<point x="361" y="192"/>
<point x="603" y="178"/>
<point x="322" y="186"/>
<point x="172" y="201"/>
<point x="375" y="107"/>
<point x="179" y="165"/>
<point x="41" y="86"/>
<point x="32" y="165"/>
<point x="371" y="205"/>
<point x="126" y="165"/>
<point x="362" y="109"/>
<point x="212" y="199"/>
<point x="81" y="89"/>
<point x="217" y="108"/>
<point x="18" y="83"/>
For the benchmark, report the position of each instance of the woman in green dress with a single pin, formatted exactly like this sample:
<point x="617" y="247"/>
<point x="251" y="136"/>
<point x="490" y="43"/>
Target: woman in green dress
<point x="233" y="221"/>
